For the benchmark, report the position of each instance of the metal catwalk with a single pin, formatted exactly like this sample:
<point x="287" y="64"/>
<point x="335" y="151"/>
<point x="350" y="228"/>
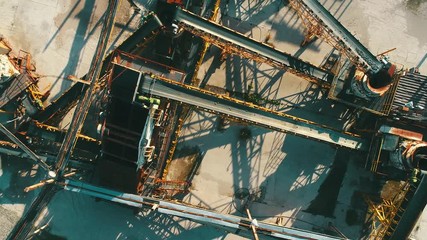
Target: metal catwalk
<point x="334" y="27"/>
<point x="229" y="222"/>
<point x="160" y="86"/>
<point x="237" y="43"/>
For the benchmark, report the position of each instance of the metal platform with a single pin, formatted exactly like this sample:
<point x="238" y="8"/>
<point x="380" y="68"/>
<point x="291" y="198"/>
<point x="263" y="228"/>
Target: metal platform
<point x="233" y="108"/>
<point x="239" y="44"/>
<point x="229" y="222"/>
<point x="332" y="29"/>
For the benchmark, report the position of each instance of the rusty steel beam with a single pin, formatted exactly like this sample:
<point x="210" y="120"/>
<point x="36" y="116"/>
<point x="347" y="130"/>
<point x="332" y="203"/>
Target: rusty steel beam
<point x="27" y="150"/>
<point x="228" y="222"/>
<point x="205" y="46"/>
<point x="236" y="43"/>
<point x="244" y="111"/>
<point x="320" y="23"/>
<point x="85" y="101"/>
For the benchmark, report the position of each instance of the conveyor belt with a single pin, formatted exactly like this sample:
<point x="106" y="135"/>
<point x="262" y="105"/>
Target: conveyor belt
<point x="239" y="44"/>
<point x="328" y="20"/>
<point x="85" y="100"/>
<point x="229" y="222"/>
<point x="162" y="87"/>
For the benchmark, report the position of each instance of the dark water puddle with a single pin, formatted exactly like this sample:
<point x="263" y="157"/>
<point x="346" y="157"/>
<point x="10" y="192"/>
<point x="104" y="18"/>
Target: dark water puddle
<point x="326" y="199"/>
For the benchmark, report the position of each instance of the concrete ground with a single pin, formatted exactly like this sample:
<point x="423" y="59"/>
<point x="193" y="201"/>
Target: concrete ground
<point x="62" y="36"/>
<point x="286" y="174"/>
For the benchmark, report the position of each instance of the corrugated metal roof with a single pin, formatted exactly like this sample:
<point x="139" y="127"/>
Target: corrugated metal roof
<point x="411" y="87"/>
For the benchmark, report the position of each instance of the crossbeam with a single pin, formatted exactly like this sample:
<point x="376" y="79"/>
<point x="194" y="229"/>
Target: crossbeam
<point x="238" y="44"/>
<point x="238" y="109"/>
<point x="193" y="213"/>
<point x="321" y="23"/>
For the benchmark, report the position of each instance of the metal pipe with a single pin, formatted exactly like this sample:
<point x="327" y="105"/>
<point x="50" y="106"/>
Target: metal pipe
<point x="238" y="44"/>
<point x="27" y="150"/>
<point x="333" y="29"/>
<point x="47" y="181"/>
<point x="253" y="227"/>
<point x="194" y="213"/>
<point x="248" y="112"/>
<point x="84" y="104"/>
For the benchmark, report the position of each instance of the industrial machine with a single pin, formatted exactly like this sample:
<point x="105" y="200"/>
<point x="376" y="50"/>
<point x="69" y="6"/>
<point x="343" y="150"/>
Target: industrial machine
<point x="156" y="97"/>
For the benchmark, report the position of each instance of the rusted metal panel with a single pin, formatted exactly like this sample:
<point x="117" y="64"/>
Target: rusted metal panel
<point x="402" y="133"/>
